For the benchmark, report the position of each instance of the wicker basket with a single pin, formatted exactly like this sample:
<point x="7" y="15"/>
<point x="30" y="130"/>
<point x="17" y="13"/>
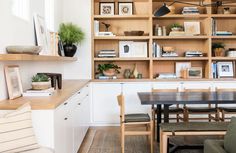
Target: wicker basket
<point x="41" y="85"/>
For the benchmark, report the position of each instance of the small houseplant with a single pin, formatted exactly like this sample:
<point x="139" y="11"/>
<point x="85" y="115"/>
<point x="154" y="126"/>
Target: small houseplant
<point x="218" y="48"/>
<point x="176" y="27"/>
<point x="41" y="82"/>
<point x="71" y="35"/>
<point x="108" y="69"/>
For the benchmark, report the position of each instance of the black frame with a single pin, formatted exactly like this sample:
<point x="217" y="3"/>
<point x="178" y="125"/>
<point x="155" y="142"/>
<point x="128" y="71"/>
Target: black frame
<point x="123" y="3"/>
<point x="107" y="3"/>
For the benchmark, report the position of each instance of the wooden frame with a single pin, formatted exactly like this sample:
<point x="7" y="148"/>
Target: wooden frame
<point x="112" y="9"/>
<point x="194" y="76"/>
<point x="13" y="80"/>
<point x="129" y="3"/>
<point x="225" y="69"/>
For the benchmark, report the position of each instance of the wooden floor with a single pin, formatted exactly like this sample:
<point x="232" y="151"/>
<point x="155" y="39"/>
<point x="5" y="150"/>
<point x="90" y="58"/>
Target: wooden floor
<point x="107" y="140"/>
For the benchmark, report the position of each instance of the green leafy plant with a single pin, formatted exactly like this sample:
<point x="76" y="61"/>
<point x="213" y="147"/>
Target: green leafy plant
<point x="176" y="25"/>
<point x="70" y="33"/>
<point x="218" y="45"/>
<point x="105" y="67"/>
<point x="40" y="78"/>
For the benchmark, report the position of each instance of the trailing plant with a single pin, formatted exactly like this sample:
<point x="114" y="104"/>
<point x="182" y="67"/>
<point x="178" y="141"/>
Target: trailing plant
<point x="40" y="78"/>
<point x="105" y="67"/>
<point x="176" y="25"/>
<point x="70" y="33"/>
<point x="218" y="45"/>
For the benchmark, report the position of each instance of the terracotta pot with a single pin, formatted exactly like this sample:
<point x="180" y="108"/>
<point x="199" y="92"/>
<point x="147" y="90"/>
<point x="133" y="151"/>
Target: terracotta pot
<point x="41" y="85"/>
<point x="110" y="72"/>
<point x="218" y="52"/>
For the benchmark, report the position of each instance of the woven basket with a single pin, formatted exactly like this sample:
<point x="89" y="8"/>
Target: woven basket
<point x="41" y="85"/>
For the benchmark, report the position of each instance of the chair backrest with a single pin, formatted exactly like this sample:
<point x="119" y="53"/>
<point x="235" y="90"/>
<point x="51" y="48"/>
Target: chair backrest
<point x="197" y="90"/>
<point x="121" y="103"/>
<point x="164" y="90"/>
<point x="225" y="89"/>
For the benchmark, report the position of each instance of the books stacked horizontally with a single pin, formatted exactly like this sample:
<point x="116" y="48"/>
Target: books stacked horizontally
<point x="223" y="33"/>
<point x="38" y="93"/>
<point x="190" y="10"/>
<point x="107" y="53"/>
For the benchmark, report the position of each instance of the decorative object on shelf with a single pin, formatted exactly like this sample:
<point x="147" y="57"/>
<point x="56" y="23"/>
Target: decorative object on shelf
<point x="223" y="33"/>
<point x="96" y="27"/>
<point x="168" y="51"/>
<point x="218" y="49"/>
<point x="108" y="69"/>
<point x="140" y="76"/>
<point x="127" y="73"/>
<point x="156" y="29"/>
<point x="192" y="28"/>
<point x="159" y="33"/>
<point x="227" y="10"/>
<point x="183" y="73"/>
<point x="61" y="51"/>
<point x="231" y="52"/>
<point x="179" y="66"/>
<point x="172" y="10"/>
<point x="107" y="26"/>
<point x="225" y="69"/>
<point x="132" y="49"/>
<point x="163" y="31"/>
<point x="70" y="35"/>
<point x="193" y="54"/>
<point x="24" y="49"/>
<point x="157" y="52"/>
<point x="107" y="53"/>
<point x="133" y="33"/>
<point x="125" y="8"/>
<point x="56" y="79"/>
<point x="41" y="34"/>
<point x="190" y="11"/>
<point x="166" y="76"/>
<point x="41" y="82"/>
<point x="194" y="73"/>
<point x="176" y="27"/>
<point x="135" y="71"/>
<point x="13" y="80"/>
<point x="107" y="8"/>
<point x="54" y="42"/>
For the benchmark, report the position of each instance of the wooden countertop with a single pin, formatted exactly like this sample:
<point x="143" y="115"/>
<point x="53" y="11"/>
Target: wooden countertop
<point x="69" y="87"/>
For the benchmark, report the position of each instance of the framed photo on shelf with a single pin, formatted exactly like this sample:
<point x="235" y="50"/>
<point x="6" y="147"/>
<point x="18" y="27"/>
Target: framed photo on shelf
<point x="132" y="49"/>
<point x="125" y="48"/>
<point x="107" y="8"/>
<point x="192" y="28"/>
<point x="179" y="66"/>
<point x="125" y="8"/>
<point x="225" y="69"/>
<point x="194" y="72"/>
<point x="13" y="81"/>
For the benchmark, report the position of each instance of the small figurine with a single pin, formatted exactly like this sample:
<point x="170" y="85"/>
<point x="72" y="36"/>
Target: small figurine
<point x="107" y="26"/>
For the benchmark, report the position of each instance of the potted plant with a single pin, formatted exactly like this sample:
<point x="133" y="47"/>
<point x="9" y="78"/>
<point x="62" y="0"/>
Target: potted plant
<point x="41" y="82"/>
<point x="108" y="69"/>
<point x="71" y="35"/>
<point x="218" y="48"/>
<point x="176" y="27"/>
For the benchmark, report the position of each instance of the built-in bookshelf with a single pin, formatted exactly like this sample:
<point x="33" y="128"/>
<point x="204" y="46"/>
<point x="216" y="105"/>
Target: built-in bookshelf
<point x="144" y="20"/>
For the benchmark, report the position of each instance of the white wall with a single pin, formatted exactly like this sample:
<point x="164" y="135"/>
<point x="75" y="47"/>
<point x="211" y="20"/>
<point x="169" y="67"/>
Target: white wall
<point x="15" y="31"/>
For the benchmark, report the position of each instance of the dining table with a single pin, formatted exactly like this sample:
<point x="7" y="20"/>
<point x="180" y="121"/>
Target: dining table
<point x="163" y="100"/>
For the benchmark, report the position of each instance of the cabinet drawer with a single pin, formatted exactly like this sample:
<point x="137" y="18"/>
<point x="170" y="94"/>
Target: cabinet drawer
<point x="81" y="94"/>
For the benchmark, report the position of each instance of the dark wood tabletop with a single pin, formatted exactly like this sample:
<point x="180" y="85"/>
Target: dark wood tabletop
<point x="153" y="98"/>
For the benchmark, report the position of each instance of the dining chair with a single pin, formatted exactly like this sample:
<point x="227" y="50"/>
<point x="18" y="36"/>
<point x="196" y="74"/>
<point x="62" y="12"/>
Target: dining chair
<point x="226" y="110"/>
<point x="212" y="112"/>
<point x="134" y="120"/>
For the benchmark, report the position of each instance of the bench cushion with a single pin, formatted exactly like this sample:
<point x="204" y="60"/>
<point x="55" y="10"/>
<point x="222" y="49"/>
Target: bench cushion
<point x="230" y="137"/>
<point x="214" y="146"/>
<point x="194" y="126"/>
<point x="137" y="118"/>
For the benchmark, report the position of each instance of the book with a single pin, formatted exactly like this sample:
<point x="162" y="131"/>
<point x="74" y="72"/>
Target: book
<point x="25" y="94"/>
<point x="50" y="90"/>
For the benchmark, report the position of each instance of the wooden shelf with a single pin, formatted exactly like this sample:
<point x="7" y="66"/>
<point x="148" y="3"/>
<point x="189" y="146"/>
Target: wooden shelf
<point x="183" y="16"/>
<point x="122" y="17"/>
<point x="223" y="15"/>
<point x="123" y="59"/>
<point x="223" y="58"/>
<point x="180" y="37"/>
<point x="181" y="59"/>
<point x="27" y="57"/>
<point x="121" y="37"/>
<point x="223" y="37"/>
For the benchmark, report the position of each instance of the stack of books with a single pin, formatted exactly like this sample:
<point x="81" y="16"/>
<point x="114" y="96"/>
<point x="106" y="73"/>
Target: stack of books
<point x="190" y="11"/>
<point x="193" y="54"/>
<point x="107" y="53"/>
<point x="38" y="93"/>
<point x="223" y="33"/>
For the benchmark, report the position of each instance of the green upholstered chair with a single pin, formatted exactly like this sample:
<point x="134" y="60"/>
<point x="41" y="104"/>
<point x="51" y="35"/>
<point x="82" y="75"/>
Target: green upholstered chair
<point x="223" y="146"/>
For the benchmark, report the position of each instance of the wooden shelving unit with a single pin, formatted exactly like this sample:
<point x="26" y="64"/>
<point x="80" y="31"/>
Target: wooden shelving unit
<point x="26" y="57"/>
<point x="143" y="19"/>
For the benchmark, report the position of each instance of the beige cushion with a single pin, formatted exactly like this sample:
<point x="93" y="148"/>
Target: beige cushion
<point x="16" y="131"/>
<point x="40" y="150"/>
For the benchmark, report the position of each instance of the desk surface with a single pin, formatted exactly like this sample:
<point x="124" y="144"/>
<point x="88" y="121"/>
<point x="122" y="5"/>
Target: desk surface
<point x="149" y="98"/>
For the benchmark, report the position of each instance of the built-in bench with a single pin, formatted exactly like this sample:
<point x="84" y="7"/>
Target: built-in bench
<point x="189" y="129"/>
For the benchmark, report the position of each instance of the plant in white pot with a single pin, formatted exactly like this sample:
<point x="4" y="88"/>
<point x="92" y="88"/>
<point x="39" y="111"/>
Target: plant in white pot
<point x="71" y="35"/>
<point x="41" y="82"/>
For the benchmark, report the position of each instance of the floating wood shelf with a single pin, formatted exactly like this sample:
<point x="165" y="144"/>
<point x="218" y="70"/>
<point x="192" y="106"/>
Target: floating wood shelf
<point x="224" y="58"/>
<point x="122" y="59"/>
<point x="121" y="17"/>
<point x="181" y="59"/>
<point x="26" y="57"/>
<point x="223" y="15"/>
<point x="183" y="16"/>
<point x="121" y="37"/>
<point x="180" y="37"/>
<point x="223" y="37"/>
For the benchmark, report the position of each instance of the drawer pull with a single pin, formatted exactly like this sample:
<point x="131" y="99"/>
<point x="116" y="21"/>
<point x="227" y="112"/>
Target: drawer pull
<point x="79" y="103"/>
<point x="65" y="103"/>
<point x="65" y="118"/>
<point x="78" y="93"/>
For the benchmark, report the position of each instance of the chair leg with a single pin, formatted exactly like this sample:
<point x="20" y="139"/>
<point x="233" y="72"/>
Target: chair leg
<point x="154" y="123"/>
<point x="223" y="115"/>
<point x="209" y="117"/>
<point x="122" y="138"/>
<point x="186" y="115"/>
<point x="177" y="118"/>
<point x="151" y="137"/>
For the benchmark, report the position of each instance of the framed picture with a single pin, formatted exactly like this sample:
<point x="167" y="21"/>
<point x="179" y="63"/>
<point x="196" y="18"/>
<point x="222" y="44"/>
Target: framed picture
<point x="192" y="28"/>
<point x="13" y="80"/>
<point x="225" y="69"/>
<point x="125" y="48"/>
<point x="125" y="8"/>
<point x="194" y="72"/>
<point x="132" y="49"/>
<point x="107" y="8"/>
<point x="41" y="34"/>
<point x="181" y="66"/>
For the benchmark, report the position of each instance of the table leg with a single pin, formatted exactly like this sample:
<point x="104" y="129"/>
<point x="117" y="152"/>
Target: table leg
<point x="166" y="113"/>
<point x="158" y="122"/>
